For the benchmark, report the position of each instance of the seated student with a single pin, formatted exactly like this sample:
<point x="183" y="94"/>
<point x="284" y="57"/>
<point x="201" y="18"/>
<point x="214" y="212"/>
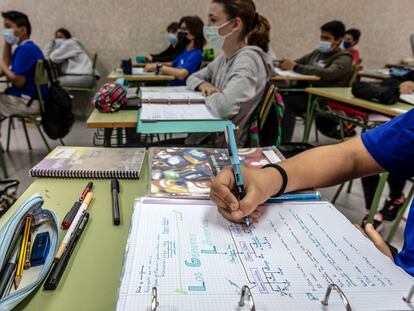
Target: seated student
<point x="351" y="39"/>
<point x="389" y="147"/>
<point x="189" y="61"/>
<point x="74" y="63"/>
<point x="235" y="81"/>
<point x="173" y="50"/>
<point x="332" y="64"/>
<point x="19" y="66"/>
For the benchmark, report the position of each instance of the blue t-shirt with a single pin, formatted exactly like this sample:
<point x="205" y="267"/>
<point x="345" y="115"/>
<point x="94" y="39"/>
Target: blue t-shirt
<point x="23" y="63"/>
<point x="392" y="146"/>
<point x="190" y="60"/>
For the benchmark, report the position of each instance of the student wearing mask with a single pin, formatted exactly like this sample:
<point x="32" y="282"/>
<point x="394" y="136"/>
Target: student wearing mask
<point x="75" y="66"/>
<point x="189" y="61"/>
<point x="174" y="49"/>
<point x="389" y="147"/>
<point x="351" y="39"/>
<point x="19" y="66"/>
<point x="332" y="64"/>
<point x="235" y="81"/>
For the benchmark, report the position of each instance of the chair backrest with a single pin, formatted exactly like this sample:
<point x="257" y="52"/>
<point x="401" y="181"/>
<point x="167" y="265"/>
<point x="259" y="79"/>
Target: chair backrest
<point x="412" y="43"/>
<point x="41" y="79"/>
<point x="94" y="61"/>
<point x="355" y="70"/>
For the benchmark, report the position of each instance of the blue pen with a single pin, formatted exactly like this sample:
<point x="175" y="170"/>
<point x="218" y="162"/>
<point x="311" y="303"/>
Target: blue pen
<point x="235" y="163"/>
<point x="296" y="197"/>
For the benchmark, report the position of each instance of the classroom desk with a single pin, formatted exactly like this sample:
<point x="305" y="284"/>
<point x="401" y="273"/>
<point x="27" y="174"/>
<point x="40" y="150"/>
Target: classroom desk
<point x="344" y="96"/>
<point x="92" y="277"/>
<point x="378" y="74"/>
<point x="296" y="78"/>
<point x="109" y="121"/>
<point x="114" y="75"/>
<point x="400" y="65"/>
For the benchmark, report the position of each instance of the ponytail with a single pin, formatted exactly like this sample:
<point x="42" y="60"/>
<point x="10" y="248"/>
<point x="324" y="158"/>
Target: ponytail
<point x="260" y="34"/>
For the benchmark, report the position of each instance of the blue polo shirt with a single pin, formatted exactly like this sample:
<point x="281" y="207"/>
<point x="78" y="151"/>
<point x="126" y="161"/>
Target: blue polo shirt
<point x="23" y="63"/>
<point x="392" y="146"/>
<point x="190" y="60"/>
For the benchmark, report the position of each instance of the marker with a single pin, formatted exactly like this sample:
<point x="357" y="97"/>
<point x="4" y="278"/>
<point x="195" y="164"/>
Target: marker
<point x="67" y="221"/>
<point x="73" y="226"/>
<point x="314" y="196"/>
<point x="115" y="203"/>
<point x="7" y="278"/>
<point x="235" y="163"/>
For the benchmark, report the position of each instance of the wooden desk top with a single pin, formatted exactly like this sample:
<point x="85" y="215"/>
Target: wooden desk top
<point x="119" y="119"/>
<point x="113" y="75"/>
<point x="344" y="95"/>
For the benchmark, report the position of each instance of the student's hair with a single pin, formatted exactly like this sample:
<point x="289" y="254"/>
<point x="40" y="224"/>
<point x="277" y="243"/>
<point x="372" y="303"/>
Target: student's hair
<point x="173" y="27"/>
<point x="355" y="33"/>
<point x="66" y="33"/>
<point x="256" y="27"/>
<point x="195" y="25"/>
<point x="20" y="19"/>
<point x="336" y="28"/>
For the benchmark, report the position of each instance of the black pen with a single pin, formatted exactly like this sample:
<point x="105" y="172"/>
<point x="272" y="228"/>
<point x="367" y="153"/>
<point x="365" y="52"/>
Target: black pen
<point x="115" y="203"/>
<point x="7" y="273"/>
<point x="59" y="267"/>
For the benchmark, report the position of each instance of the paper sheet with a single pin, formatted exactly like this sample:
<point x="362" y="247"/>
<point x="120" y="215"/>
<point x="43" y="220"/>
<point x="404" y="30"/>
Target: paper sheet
<point x="408" y="98"/>
<point x="288" y="73"/>
<point x="199" y="261"/>
<point x="170" y="94"/>
<point x="140" y="71"/>
<point x="163" y="112"/>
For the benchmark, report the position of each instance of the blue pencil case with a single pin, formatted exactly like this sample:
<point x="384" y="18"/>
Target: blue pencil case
<point x="43" y="220"/>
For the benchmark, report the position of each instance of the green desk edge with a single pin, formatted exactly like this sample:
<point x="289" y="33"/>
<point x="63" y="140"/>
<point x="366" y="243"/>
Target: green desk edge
<point x="92" y="277"/>
<point x="174" y="127"/>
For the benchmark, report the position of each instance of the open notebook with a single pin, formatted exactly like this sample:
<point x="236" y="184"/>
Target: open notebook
<point x="289" y="73"/>
<point x="170" y="95"/>
<point x="197" y="260"/>
<point x="408" y="98"/>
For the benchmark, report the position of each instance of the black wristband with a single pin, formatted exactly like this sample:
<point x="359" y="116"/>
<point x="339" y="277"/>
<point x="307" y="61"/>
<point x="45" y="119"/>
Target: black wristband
<point x="284" y="178"/>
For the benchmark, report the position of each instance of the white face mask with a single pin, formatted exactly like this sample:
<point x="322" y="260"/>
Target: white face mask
<point x="59" y="42"/>
<point x="10" y="37"/>
<point x="214" y="39"/>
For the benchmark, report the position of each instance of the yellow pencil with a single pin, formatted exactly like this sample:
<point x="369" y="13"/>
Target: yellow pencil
<point x="22" y="254"/>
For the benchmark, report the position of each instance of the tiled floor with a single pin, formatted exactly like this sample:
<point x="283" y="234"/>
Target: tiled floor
<point x="19" y="160"/>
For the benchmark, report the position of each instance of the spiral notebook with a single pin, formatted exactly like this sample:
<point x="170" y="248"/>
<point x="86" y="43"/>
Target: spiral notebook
<point x="90" y="162"/>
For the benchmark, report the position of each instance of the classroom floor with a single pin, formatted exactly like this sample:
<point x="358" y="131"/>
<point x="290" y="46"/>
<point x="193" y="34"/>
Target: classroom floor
<point x="19" y="161"/>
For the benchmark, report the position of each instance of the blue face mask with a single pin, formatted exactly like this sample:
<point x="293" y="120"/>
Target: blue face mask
<point x="172" y="38"/>
<point x="347" y="44"/>
<point x="325" y="46"/>
<point x="10" y="37"/>
<point x="59" y="42"/>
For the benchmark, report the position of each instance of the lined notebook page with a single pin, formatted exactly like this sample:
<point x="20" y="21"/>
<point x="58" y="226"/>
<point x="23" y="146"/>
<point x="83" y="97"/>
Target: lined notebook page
<point x="170" y="94"/>
<point x="199" y="261"/>
<point x="164" y="112"/>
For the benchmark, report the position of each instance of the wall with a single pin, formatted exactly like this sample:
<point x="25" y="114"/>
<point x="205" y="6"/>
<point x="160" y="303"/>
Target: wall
<point x="121" y="29"/>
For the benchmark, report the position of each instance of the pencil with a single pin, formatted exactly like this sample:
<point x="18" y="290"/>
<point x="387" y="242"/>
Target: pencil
<point x="22" y="254"/>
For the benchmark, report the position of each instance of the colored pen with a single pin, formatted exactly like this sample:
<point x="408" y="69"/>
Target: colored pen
<point x="23" y="249"/>
<point x="73" y="226"/>
<point x="235" y="163"/>
<point x="28" y="252"/>
<point x="16" y="235"/>
<point x="7" y="274"/>
<point x="67" y="221"/>
<point x="59" y="267"/>
<point x="296" y="197"/>
<point x="115" y="203"/>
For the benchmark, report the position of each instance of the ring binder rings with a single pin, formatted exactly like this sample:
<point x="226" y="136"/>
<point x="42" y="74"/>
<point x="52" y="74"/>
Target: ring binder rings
<point x="410" y="295"/>
<point x="246" y="294"/>
<point x="154" y="299"/>
<point x="341" y="294"/>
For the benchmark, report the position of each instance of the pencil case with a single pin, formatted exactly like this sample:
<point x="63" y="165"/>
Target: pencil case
<point x="42" y="220"/>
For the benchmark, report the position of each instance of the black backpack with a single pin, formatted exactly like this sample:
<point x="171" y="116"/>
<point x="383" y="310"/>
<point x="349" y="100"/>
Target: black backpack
<point x="57" y="117"/>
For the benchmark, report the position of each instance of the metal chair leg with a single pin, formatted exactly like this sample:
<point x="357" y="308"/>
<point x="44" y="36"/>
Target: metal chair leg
<point x="338" y="192"/>
<point x="377" y="197"/>
<point x="9" y="133"/>
<point x="349" y="187"/>
<point x="3" y="163"/>
<point x="43" y="137"/>
<point x="26" y="133"/>
<point x="61" y="142"/>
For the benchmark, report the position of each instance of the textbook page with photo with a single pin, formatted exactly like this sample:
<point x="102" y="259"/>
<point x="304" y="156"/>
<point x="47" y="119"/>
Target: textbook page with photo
<point x="197" y="260"/>
<point x="91" y="162"/>
<point x="186" y="172"/>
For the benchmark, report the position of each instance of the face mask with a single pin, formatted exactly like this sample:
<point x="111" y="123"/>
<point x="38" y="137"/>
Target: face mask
<point x="172" y="38"/>
<point x="347" y="44"/>
<point x="214" y="39"/>
<point x="182" y="38"/>
<point x="10" y="37"/>
<point x="59" y="42"/>
<point x="325" y="46"/>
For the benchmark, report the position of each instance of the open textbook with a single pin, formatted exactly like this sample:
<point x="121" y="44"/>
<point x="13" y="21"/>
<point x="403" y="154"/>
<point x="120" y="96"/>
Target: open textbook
<point x="186" y="256"/>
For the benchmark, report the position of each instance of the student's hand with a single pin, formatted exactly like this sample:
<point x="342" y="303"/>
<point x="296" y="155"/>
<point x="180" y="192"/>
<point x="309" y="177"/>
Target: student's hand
<point x="407" y="87"/>
<point x="287" y="64"/>
<point x="150" y="68"/>
<point x="207" y="89"/>
<point x="148" y="57"/>
<point x="260" y="185"/>
<point x="370" y="232"/>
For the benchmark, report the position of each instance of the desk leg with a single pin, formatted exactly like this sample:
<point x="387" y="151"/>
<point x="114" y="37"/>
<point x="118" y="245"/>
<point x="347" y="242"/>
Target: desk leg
<point x="310" y="109"/>
<point x="119" y="136"/>
<point x="107" y="137"/>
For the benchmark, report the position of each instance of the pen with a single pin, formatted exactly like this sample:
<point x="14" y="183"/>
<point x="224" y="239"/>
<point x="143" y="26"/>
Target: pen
<point x="23" y="249"/>
<point x="67" y="221"/>
<point x="7" y="274"/>
<point x="74" y="225"/>
<point x="296" y="197"/>
<point x="15" y="239"/>
<point x="59" y="267"/>
<point x="115" y="203"/>
<point x="28" y="252"/>
<point x="235" y="163"/>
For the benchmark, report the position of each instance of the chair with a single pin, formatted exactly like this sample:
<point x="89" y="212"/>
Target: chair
<point x="41" y="79"/>
<point x="91" y="89"/>
<point x="412" y="43"/>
